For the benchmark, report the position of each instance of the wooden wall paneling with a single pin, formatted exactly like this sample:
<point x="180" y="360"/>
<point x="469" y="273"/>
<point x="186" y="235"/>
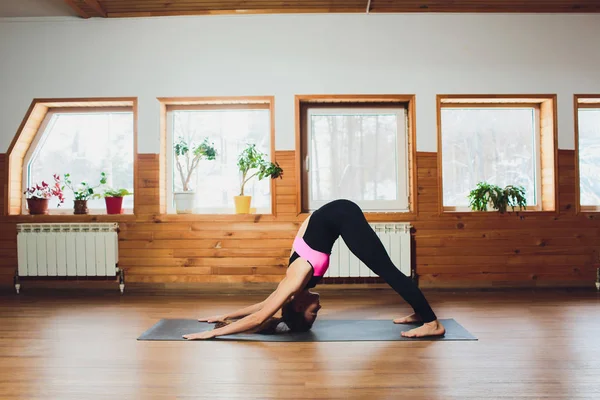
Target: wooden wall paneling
<point x="286" y="198"/>
<point x="8" y="251"/>
<point x="507" y="249"/>
<point x="3" y="184"/>
<point x="148" y="198"/>
<point x="567" y="182"/>
<point x="8" y="237"/>
<point x="209" y="251"/>
<point x="451" y="251"/>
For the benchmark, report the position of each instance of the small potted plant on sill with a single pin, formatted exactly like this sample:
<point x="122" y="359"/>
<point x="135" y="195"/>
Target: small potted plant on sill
<point x="188" y="156"/>
<point x="486" y="195"/>
<point x="83" y="193"/>
<point x="113" y="199"/>
<point x="252" y="159"/>
<point x="38" y="196"/>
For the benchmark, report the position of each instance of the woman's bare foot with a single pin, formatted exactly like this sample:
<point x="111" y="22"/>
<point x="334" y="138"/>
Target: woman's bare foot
<point x="408" y="320"/>
<point x="434" y="328"/>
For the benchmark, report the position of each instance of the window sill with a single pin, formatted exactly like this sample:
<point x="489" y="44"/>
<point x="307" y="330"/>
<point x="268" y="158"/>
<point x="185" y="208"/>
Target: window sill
<point x="91" y="212"/>
<point x="70" y="218"/>
<point x="380" y="216"/>
<point x="495" y="213"/>
<point x="589" y="209"/>
<point x="214" y="217"/>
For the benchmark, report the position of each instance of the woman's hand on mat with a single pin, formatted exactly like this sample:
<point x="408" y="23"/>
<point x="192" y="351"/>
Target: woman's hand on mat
<point x="216" y="318"/>
<point x="200" y="335"/>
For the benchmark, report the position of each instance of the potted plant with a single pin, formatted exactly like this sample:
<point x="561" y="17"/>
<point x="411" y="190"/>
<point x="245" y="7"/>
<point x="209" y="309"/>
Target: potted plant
<point x="188" y="156"/>
<point x="39" y="196"/>
<point x="114" y="199"/>
<point x="82" y="193"/>
<point x="252" y="159"/>
<point x="486" y="195"/>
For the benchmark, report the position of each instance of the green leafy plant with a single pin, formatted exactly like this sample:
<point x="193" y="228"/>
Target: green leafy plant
<point x="188" y="155"/>
<point x="84" y="191"/>
<point x="109" y="192"/>
<point x="253" y="159"/>
<point x="117" y="193"/>
<point x="500" y="198"/>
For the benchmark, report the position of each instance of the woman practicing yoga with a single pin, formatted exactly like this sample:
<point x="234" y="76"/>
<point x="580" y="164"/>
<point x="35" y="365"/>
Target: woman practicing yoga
<point x="307" y="264"/>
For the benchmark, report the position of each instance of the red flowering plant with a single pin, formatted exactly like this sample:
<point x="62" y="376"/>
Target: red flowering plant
<point x="46" y="191"/>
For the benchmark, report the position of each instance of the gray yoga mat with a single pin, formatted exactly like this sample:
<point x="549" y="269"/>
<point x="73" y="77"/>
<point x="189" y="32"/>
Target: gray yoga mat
<point x="322" y="331"/>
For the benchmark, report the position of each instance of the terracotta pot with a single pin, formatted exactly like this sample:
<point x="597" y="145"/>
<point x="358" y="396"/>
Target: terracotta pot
<point x="114" y="205"/>
<point x="37" y="206"/>
<point x="80" y="207"/>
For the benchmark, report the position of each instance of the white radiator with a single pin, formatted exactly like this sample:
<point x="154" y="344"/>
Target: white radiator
<point x="395" y="238"/>
<point x="67" y="249"/>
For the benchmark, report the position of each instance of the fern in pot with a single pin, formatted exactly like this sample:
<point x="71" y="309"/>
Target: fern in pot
<point x="253" y="163"/>
<point x="487" y="195"/>
<point x="187" y="158"/>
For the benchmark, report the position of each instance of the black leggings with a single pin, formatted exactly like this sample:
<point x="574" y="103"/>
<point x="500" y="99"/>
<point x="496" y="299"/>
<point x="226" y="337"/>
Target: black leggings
<point x="364" y="243"/>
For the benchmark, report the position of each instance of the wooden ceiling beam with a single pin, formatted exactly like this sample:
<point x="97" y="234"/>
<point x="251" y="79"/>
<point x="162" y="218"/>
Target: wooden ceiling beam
<point x="77" y="9"/>
<point x="96" y="7"/>
<point x="134" y="14"/>
<point x="151" y="8"/>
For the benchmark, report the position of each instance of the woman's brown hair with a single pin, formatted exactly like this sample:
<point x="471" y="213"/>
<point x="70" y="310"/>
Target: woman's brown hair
<point x="294" y="320"/>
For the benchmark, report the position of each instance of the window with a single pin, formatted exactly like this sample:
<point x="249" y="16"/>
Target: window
<point x="227" y="126"/>
<point x="358" y="149"/>
<point x="501" y="141"/>
<point x="80" y="136"/>
<point x="498" y="145"/>
<point x="588" y="152"/>
<point x="84" y="143"/>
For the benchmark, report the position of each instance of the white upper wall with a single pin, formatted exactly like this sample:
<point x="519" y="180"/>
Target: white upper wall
<point x="284" y="55"/>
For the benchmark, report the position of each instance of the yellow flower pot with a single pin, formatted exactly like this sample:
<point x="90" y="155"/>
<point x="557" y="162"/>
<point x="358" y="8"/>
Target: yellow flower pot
<point x="242" y="204"/>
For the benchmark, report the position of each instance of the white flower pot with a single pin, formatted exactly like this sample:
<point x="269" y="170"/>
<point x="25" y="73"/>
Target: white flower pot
<point x="184" y="202"/>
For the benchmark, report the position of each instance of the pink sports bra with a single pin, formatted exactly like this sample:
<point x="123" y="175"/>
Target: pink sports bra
<point x="318" y="260"/>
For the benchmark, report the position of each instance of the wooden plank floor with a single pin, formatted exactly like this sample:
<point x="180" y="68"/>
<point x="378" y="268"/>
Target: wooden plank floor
<point x="82" y="345"/>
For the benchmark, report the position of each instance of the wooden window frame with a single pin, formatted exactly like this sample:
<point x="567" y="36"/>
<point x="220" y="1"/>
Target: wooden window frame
<point x="32" y="125"/>
<point x="207" y="103"/>
<point x="302" y="102"/>
<point x="547" y="142"/>
<point x="582" y="101"/>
